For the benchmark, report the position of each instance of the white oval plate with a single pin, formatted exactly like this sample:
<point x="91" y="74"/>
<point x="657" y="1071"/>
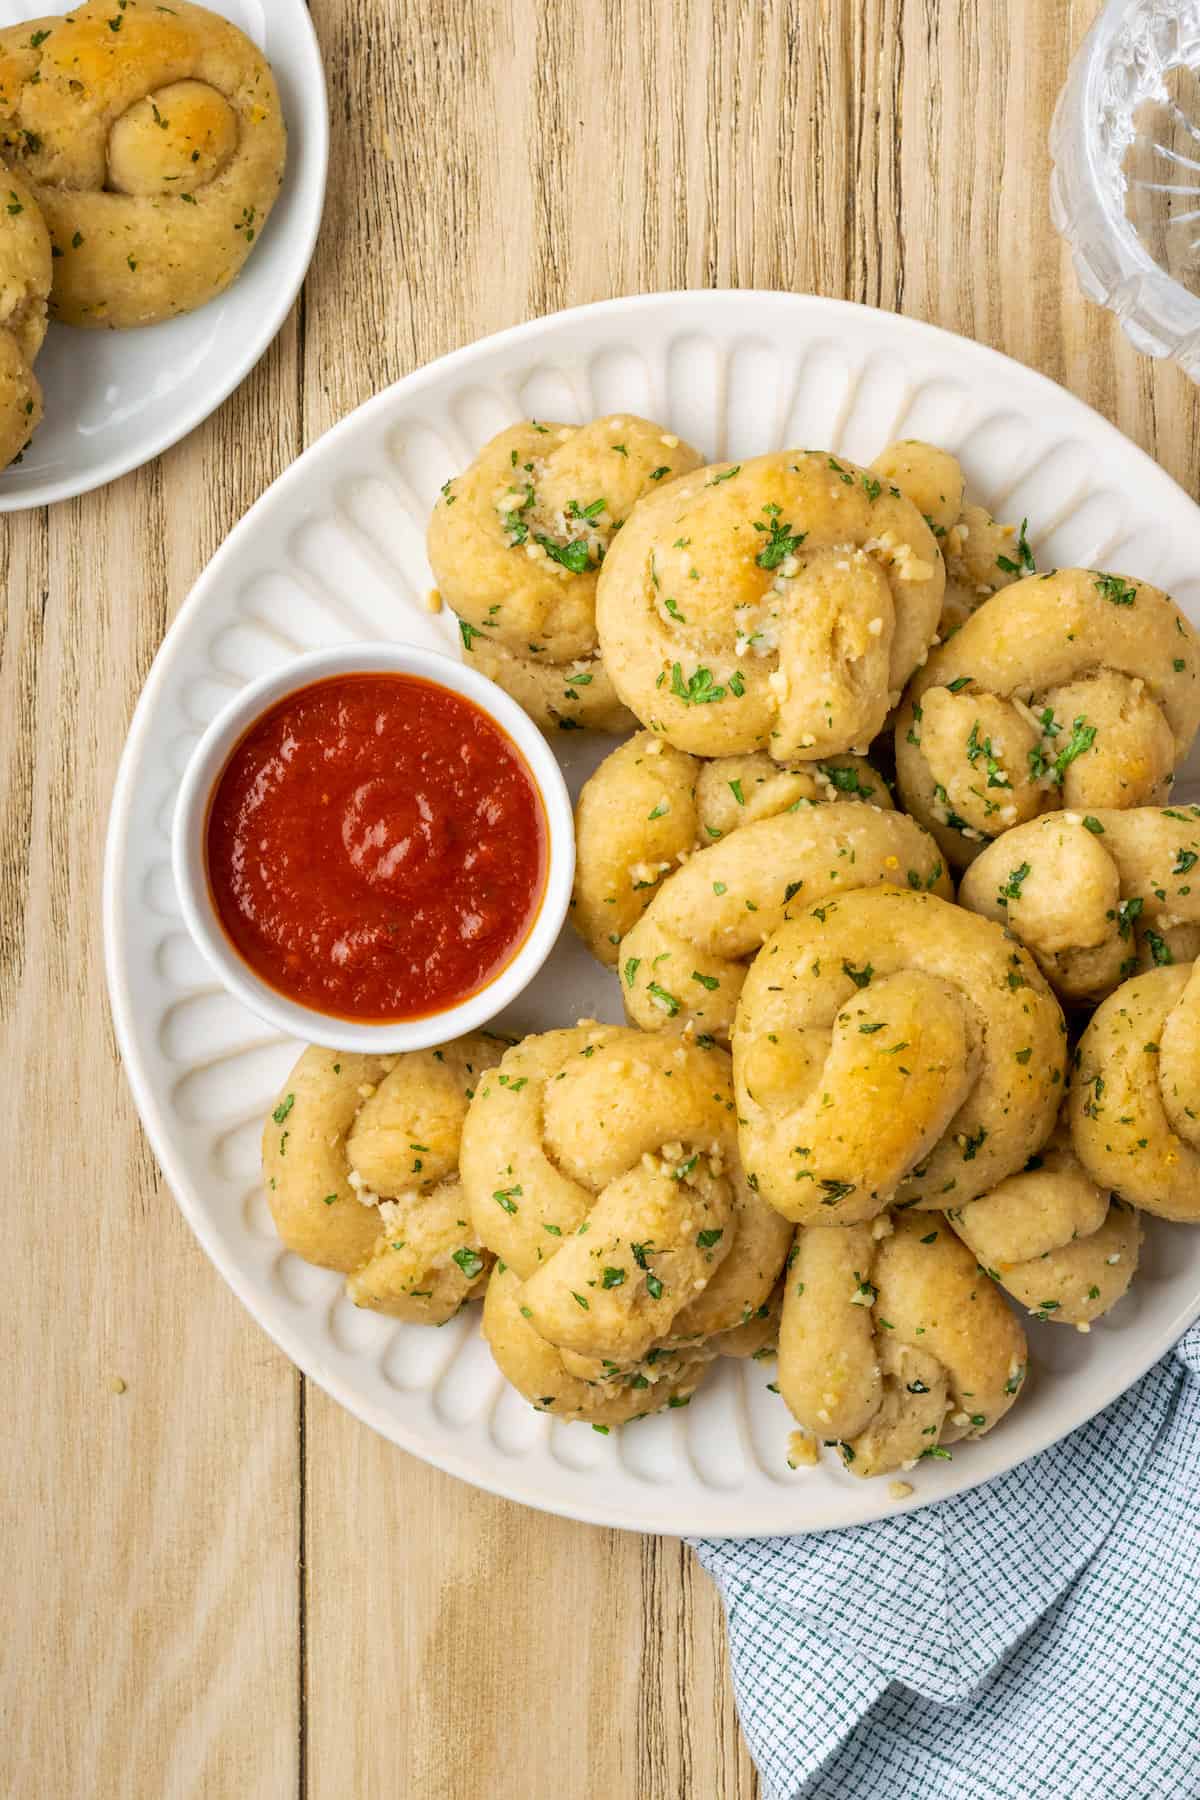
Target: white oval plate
<point x="334" y="551"/>
<point x="115" y="399"/>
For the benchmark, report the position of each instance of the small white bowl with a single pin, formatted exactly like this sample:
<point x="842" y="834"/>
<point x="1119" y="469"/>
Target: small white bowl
<point x="191" y="873"/>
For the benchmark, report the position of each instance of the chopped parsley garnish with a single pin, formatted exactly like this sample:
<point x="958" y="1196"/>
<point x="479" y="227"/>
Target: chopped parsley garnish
<point x="1160" y="950"/>
<point x="972" y="1144"/>
<point x="469" y="1261"/>
<point x="1024" y="564"/>
<point x="1012" y="887"/>
<point x="846" y="781"/>
<point x="573" y="556"/>
<point x="1116" y="591"/>
<point x="1082" y="737"/>
<point x="699" y="689"/>
<point x="781" y="540"/>
<point x="835" y="1191"/>
<point x="1127" y="912"/>
<point x="996" y="778"/>
<point x="954" y="820"/>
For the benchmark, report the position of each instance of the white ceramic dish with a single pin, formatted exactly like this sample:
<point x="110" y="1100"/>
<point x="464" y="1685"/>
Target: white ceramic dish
<point x="333" y="552"/>
<point x="190" y="875"/>
<point x="115" y="399"/>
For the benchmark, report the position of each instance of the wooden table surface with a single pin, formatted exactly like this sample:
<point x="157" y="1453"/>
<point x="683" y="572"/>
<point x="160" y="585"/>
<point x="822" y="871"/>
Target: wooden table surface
<point x="218" y="1583"/>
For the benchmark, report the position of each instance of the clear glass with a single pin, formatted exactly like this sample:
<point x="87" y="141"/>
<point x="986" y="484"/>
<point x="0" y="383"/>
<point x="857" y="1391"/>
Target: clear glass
<point x="1125" y="190"/>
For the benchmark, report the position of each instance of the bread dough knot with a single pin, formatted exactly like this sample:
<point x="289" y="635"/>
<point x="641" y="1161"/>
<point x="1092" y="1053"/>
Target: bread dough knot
<point x="154" y="142"/>
<point x="892" y="1344"/>
<point x="601" y="1168"/>
<point x="1095" y="895"/>
<point x="778" y="604"/>
<point x="1057" y="1242"/>
<point x="683" y="963"/>
<point x="516" y="544"/>
<point x="1074" y="689"/>
<point x="360" y="1158"/>
<point x="1135" y="1093"/>
<point x="649" y="807"/>
<point x="891" y="1049"/>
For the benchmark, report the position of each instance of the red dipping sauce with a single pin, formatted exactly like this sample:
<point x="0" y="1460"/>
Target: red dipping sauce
<point x="376" y="847"/>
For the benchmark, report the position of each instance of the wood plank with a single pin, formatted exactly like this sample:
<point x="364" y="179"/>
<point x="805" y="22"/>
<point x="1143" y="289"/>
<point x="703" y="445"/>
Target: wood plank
<point x="151" y="1616"/>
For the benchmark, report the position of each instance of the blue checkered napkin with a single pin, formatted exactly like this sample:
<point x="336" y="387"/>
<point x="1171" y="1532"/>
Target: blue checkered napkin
<point x="1039" y="1635"/>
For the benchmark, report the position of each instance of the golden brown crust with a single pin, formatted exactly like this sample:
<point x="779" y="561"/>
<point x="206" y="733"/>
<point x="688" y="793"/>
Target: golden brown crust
<point x="25" y="268"/>
<point x="1097" y="895"/>
<point x="154" y="142"/>
<point x="601" y="1167"/>
<point x="599" y="1396"/>
<point x="683" y="964"/>
<point x="1075" y="688"/>
<point x="360" y="1158"/>
<point x="649" y="806"/>
<point x="778" y="604"/>
<point x="981" y="556"/>
<point x="893" y="1343"/>
<point x="1135" y="1093"/>
<point x="516" y="543"/>
<point x="891" y="1048"/>
<point x="1053" y="1239"/>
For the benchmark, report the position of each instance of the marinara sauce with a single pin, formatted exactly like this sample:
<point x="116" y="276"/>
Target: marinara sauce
<point x="376" y="847"/>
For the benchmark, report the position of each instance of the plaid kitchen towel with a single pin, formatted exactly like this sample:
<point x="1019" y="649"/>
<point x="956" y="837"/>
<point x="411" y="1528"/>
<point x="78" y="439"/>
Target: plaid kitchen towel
<point x="1038" y="1635"/>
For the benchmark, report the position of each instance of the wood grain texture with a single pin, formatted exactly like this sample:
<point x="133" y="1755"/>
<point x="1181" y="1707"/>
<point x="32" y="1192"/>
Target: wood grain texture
<point x="217" y="1583"/>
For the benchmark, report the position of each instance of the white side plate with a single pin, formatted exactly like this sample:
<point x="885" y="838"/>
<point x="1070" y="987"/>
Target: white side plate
<point x="115" y="399"/>
<point x="335" y="551"/>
